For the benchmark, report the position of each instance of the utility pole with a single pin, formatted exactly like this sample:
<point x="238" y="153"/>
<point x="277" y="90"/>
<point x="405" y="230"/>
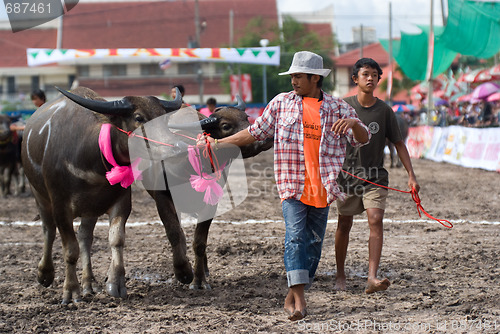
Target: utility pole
<point x="59" y="32"/>
<point x="197" y="38"/>
<point x="231" y="28"/>
<point x="361" y="41"/>
<point x="264" y="42"/>
<point x="390" y="79"/>
<point x="442" y="13"/>
<point x="430" y="65"/>
<point x="197" y="23"/>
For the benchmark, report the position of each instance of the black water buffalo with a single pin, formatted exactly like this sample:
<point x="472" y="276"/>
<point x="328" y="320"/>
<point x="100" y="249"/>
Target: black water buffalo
<point x="403" y="128"/>
<point x="67" y="173"/>
<point x="9" y="157"/>
<point x="222" y="123"/>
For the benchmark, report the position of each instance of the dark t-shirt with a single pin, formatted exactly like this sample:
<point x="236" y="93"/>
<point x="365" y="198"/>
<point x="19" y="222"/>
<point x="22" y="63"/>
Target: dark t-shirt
<point x="367" y="161"/>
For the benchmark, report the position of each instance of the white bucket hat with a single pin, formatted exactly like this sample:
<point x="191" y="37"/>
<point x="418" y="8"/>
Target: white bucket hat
<point x="307" y="62"/>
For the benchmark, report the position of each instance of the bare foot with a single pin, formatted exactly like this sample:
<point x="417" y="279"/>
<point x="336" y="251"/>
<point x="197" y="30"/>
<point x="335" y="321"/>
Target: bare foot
<point x="289" y="303"/>
<point x="375" y="285"/>
<point x="298" y="315"/>
<point x="340" y="283"/>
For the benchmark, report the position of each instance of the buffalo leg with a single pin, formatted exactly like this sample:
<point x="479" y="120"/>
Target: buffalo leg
<point x="200" y="252"/>
<point x="46" y="264"/>
<point x="166" y="210"/>
<point x="85" y="240"/>
<point x="115" y="283"/>
<point x="5" y="178"/>
<point x="71" y="252"/>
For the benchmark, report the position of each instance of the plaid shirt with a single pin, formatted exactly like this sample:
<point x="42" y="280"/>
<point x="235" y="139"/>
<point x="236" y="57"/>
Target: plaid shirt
<point x="282" y="118"/>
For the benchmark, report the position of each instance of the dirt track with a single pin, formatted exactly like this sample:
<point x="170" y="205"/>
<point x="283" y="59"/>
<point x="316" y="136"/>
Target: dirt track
<point x="443" y="280"/>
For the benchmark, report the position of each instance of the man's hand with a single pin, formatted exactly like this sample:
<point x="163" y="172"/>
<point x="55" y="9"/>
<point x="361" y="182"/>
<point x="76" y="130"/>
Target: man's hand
<point x="412" y="183"/>
<point x="341" y="126"/>
<point x="202" y="139"/>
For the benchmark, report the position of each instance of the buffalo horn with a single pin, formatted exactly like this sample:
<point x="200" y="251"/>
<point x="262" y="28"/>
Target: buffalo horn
<point x="175" y="104"/>
<point x="204" y="124"/>
<point x="241" y="104"/>
<point x="103" y="107"/>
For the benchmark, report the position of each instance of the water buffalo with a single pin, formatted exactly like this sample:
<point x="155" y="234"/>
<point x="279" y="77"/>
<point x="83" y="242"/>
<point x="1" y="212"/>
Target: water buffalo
<point x="68" y="174"/>
<point x="403" y="128"/>
<point x="222" y="123"/>
<point x="9" y="157"/>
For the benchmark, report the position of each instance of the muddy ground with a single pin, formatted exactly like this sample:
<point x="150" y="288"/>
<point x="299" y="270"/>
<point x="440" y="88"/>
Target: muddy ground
<point x="443" y="280"/>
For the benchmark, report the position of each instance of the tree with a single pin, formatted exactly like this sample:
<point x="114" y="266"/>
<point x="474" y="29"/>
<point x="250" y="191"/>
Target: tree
<point x="296" y="37"/>
<point x="398" y="85"/>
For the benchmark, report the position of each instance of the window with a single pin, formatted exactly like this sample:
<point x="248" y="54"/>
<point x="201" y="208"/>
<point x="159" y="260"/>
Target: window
<point x="11" y="85"/>
<point x="151" y="70"/>
<point x="35" y="82"/>
<point x="114" y="70"/>
<point x="188" y="68"/>
<point x="83" y="71"/>
<point x="221" y="68"/>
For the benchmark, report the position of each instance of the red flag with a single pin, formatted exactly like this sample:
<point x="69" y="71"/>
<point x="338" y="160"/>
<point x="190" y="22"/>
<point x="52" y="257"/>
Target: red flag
<point x="246" y="87"/>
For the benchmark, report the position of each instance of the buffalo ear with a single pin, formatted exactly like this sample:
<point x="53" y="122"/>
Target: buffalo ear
<point x="117" y="108"/>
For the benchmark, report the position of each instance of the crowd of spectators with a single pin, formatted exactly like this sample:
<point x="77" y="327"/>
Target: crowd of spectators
<point x="476" y="114"/>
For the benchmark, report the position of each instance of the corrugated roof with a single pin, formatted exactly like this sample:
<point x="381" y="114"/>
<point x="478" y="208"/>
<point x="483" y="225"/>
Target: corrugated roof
<point x="165" y="24"/>
<point x="374" y="51"/>
<point x="14" y="46"/>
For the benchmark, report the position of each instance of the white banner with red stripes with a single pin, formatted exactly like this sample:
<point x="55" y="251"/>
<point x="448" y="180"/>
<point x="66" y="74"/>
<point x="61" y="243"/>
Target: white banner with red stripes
<point x="259" y="55"/>
<point x="468" y="147"/>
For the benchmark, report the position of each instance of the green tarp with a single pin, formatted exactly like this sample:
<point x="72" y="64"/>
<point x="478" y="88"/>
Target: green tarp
<point x="472" y="28"/>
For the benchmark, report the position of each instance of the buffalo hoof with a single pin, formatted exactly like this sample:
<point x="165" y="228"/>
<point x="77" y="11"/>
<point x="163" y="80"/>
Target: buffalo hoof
<point x="45" y="277"/>
<point x="115" y="290"/>
<point x="91" y="288"/>
<point x="90" y="291"/>
<point x="185" y="276"/>
<point x="87" y="292"/>
<point x="69" y="296"/>
<point x="202" y="286"/>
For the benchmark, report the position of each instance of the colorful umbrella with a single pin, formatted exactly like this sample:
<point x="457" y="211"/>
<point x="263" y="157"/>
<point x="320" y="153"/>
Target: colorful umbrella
<point x="464" y="98"/>
<point x="440" y="102"/>
<point x="400" y="107"/>
<point x="494" y="97"/>
<point x="484" y="90"/>
<point x="495" y="70"/>
<point x="479" y="75"/>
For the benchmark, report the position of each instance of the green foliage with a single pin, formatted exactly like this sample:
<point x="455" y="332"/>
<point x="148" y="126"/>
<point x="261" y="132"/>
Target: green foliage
<point x="10" y="105"/>
<point x="398" y="85"/>
<point x="296" y="37"/>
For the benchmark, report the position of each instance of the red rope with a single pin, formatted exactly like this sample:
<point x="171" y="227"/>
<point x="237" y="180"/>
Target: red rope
<point x="132" y="134"/>
<point x="207" y="151"/>
<point x="414" y="196"/>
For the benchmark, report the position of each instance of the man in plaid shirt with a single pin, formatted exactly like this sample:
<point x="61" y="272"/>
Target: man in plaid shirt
<point x="311" y="130"/>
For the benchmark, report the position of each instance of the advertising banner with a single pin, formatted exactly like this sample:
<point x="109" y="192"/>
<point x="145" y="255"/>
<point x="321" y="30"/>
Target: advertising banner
<point x="467" y="147"/>
<point x="258" y="55"/>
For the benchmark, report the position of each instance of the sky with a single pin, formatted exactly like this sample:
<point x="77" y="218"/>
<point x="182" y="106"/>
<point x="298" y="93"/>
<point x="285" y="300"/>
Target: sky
<point x="406" y="14"/>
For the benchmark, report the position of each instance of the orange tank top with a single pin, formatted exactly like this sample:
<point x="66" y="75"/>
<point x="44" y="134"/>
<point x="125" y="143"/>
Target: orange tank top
<point x="314" y="193"/>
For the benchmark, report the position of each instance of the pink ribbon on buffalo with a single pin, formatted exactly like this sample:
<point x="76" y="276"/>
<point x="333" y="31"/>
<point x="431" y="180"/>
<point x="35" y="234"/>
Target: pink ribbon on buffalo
<point x="203" y="182"/>
<point x="126" y="175"/>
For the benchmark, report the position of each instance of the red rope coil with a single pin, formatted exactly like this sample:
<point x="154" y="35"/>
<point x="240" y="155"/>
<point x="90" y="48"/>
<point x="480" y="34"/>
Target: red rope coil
<point x="414" y="196"/>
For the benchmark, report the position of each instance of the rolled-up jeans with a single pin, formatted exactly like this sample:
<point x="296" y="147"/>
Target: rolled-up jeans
<point x="305" y="231"/>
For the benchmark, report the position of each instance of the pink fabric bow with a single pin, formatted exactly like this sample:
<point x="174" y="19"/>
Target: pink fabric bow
<point x="126" y="175"/>
<point x="203" y="182"/>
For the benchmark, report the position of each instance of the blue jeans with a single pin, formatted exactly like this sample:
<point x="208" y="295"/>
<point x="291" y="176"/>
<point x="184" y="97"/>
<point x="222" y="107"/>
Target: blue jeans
<point x="305" y="231"/>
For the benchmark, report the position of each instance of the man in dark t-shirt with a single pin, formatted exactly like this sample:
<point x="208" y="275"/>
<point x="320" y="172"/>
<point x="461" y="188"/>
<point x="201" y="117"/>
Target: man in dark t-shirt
<point x="367" y="162"/>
